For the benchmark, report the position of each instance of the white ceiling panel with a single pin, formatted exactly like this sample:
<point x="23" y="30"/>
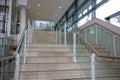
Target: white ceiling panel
<point x="48" y="10"/>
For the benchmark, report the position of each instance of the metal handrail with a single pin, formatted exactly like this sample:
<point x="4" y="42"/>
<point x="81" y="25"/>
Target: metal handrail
<point x="91" y="49"/>
<point x="20" y="41"/>
<point x="106" y="25"/>
<point x="7" y="58"/>
<point x="89" y="46"/>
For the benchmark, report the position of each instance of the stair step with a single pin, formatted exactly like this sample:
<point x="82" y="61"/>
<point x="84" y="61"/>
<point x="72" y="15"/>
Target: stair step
<point x="49" y="53"/>
<point x="48" y="59"/>
<point x="49" y="75"/>
<point x="101" y="65"/>
<point x="105" y="77"/>
<point x="49" y="67"/>
<point x="48" y="49"/>
<point x="102" y="72"/>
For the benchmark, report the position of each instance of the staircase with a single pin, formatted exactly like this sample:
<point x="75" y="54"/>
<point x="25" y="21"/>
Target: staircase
<point x="106" y="69"/>
<point x="49" y="61"/>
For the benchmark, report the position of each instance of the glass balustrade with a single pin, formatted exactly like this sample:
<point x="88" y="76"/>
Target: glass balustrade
<point x="96" y="34"/>
<point x="5" y="46"/>
<point x="7" y="68"/>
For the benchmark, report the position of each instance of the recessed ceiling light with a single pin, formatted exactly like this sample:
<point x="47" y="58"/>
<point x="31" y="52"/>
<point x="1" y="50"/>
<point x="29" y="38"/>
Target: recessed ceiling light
<point x="60" y="7"/>
<point x="38" y="5"/>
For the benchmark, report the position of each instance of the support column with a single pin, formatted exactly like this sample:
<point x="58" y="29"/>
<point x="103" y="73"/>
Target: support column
<point x="9" y="18"/>
<point x="22" y="21"/>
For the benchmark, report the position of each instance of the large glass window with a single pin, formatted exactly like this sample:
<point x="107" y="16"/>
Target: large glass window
<point x="107" y="9"/>
<point x="82" y="12"/>
<point x="111" y="7"/>
<point x="43" y="24"/>
<point x="3" y="16"/>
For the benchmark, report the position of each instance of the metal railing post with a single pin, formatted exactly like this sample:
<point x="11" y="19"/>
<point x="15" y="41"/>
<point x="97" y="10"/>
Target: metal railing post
<point x="92" y="66"/>
<point x="114" y="45"/>
<point x="65" y="34"/>
<point x="74" y="46"/>
<point x="60" y="36"/>
<point x="96" y="35"/>
<point x="16" y="73"/>
<point x="28" y="35"/>
<point x="56" y="36"/>
<point x="31" y="33"/>
<point x="25" y="47"/>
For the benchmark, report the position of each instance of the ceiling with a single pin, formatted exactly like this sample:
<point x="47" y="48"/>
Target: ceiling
<point x="47" y="10"/>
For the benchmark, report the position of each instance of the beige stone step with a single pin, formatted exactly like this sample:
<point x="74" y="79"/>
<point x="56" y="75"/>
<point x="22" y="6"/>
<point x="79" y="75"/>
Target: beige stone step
<point x="49" y="67"/>
<point x="55" y="45"/>
<point x="50" y="75"/>
<point x="44" y="42"/>
<point x="49" y="53"/>
<point x="49" y="59"/>
<point x="48" y="49"/>
<point x="48" y="45"/>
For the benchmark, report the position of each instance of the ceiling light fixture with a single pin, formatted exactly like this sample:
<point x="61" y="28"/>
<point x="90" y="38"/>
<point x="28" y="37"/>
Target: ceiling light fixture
<point x="38" y="5"/>
<point x="60" y="7"/>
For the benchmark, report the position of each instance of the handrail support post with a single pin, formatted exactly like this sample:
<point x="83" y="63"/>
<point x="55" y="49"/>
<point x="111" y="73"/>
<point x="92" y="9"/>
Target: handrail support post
<point x="92" y="66"/>
<point x="74" y="46"/>
<point x="56" y="36"/>
<point x="25" y="43"/>
<point x="16" y="73"/>
<point x="65" y="34"/>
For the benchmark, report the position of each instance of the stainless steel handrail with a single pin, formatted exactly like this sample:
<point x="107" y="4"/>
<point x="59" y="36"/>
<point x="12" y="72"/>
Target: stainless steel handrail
<point x="89" y="46"/>
<point x="7" y="58"/>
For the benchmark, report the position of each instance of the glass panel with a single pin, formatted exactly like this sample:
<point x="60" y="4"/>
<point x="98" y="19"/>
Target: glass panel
<point x="106" y="39"/>
<point x="91" y="34"/>
<point x="57" y="35"/>
<point x="69" y="34"/>
<point x="118" y="46"/>
<point x="62" y="34"/>
<point x="7" y="68"/>
<point x="95" y="34"/>
<point x="83" y="56"/>
<point x="83" y="33"/>
<point x="69" y="38"/>
<point x="5" y="46"/>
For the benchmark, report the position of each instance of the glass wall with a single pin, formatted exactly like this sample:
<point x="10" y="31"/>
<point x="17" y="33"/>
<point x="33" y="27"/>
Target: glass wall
<point x="78" y="13"/>
<point x="82" y="11"/>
